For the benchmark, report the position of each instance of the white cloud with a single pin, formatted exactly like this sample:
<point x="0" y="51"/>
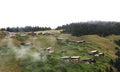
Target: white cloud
<point x="56" y="12"/>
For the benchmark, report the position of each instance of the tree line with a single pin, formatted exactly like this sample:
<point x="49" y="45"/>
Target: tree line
<point x="26" y="29"/>
<point x="101" y="28"/>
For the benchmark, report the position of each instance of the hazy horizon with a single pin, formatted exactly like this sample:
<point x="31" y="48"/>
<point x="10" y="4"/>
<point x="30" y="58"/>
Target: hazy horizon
<point x="53" y="13"/>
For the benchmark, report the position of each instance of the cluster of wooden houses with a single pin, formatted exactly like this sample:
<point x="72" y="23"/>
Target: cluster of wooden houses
<point x="51" y="50"/>
<point x="76" y="59"/>
<point x="47" y="33"/>
<point x="13" y="34"/>
<point x="72" y="41"/>
<point x="96" y="53"/>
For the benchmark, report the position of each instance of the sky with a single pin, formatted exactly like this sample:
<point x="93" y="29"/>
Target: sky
<point x="53" y="13"/>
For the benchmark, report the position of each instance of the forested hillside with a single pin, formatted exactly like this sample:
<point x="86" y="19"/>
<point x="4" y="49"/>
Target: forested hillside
<point x="26" y="29"/>
<point x="100" y="28"/>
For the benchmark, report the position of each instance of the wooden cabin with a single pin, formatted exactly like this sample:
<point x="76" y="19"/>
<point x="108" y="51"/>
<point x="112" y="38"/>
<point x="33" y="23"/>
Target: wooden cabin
<point x="59" y="39"/>
<point x="101" y="54"/>
<point x="65" y="58"/>
<point x="75" y="58"/>
<point x="70" y="58"/>
<point x="27" y="44"/>
<point x="96" y="53"/>
<point x="76" y="42"/>
<point x="70" y="41"/>
<point x="49" y="49"/>
<point x="81" y="41"/>
<point x="11" y="34"/>
<point x="89" y="61"/>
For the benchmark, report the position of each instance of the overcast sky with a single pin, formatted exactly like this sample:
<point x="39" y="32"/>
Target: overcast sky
<point x="53" y="13"/>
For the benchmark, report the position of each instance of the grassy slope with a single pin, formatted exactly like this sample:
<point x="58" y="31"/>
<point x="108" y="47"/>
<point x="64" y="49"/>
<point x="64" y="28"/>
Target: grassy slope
<point x="105" y="44"/>
<point x="102" y="44"/>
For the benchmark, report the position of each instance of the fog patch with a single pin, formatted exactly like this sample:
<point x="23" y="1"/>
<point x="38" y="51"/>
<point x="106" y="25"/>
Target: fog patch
<point x="10" y="42"/>
<point x="39" y="55"/>
<point x="21" y="52"/>
<point x="24" y="52"/>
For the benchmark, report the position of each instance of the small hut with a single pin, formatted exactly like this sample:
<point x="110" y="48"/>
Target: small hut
<point x="101" y="54"/>
<point x="96" y="53"/>
<point x="70" y="58"/>
<point x="11" y="34"/>
<point x="76" y="42"/>
<point x="65" y="58"/>
<point x="27" y="44"/>
<point x="89" y="61"/>
<point x="49" y="49"/>
<point x="59" y="39"/>
<point x="81" y="41"/>
<point x="75" y="58"/>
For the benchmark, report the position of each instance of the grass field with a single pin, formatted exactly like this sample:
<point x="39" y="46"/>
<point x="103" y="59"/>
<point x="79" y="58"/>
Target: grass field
<point x="29" y="61"/>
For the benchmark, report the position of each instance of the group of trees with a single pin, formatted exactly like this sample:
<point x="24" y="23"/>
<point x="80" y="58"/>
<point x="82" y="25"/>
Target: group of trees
<point x="26" y="29"/>
<point x="116" y="62"/>
<point x="100" y="28"/>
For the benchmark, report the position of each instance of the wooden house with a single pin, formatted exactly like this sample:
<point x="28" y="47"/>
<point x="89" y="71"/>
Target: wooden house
<point x="101" y="54"/>
<point x="81" y="41"/>
<point x="49" y="49"/>
<point x="11" y="34"/>
<point x="65" y="58"/>
<point x="75" y="58"/>
<point x="70" y="41"/>
<point x="27" y="44"/>
<point x="89" y="61"/>
<point x="70" y="58"/>
<point x="59" y="39"/>
<point x="96" y="53"/>
<point x="93" y="52"/>
<point x="76" y="42"/>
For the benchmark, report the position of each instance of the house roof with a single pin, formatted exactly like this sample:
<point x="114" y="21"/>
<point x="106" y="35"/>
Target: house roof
<point x="70" y="57"/>
<point x="49" y="48"/>
<point x="75" y="56"/>
<point x="65" y="57"/>
<point x="94" y="51"/>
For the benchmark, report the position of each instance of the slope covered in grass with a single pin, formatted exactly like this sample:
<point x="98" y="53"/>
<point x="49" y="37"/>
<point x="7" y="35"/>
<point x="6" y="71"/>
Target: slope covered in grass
<point x="54" y="63"/>
<point x="105" y="44"/>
